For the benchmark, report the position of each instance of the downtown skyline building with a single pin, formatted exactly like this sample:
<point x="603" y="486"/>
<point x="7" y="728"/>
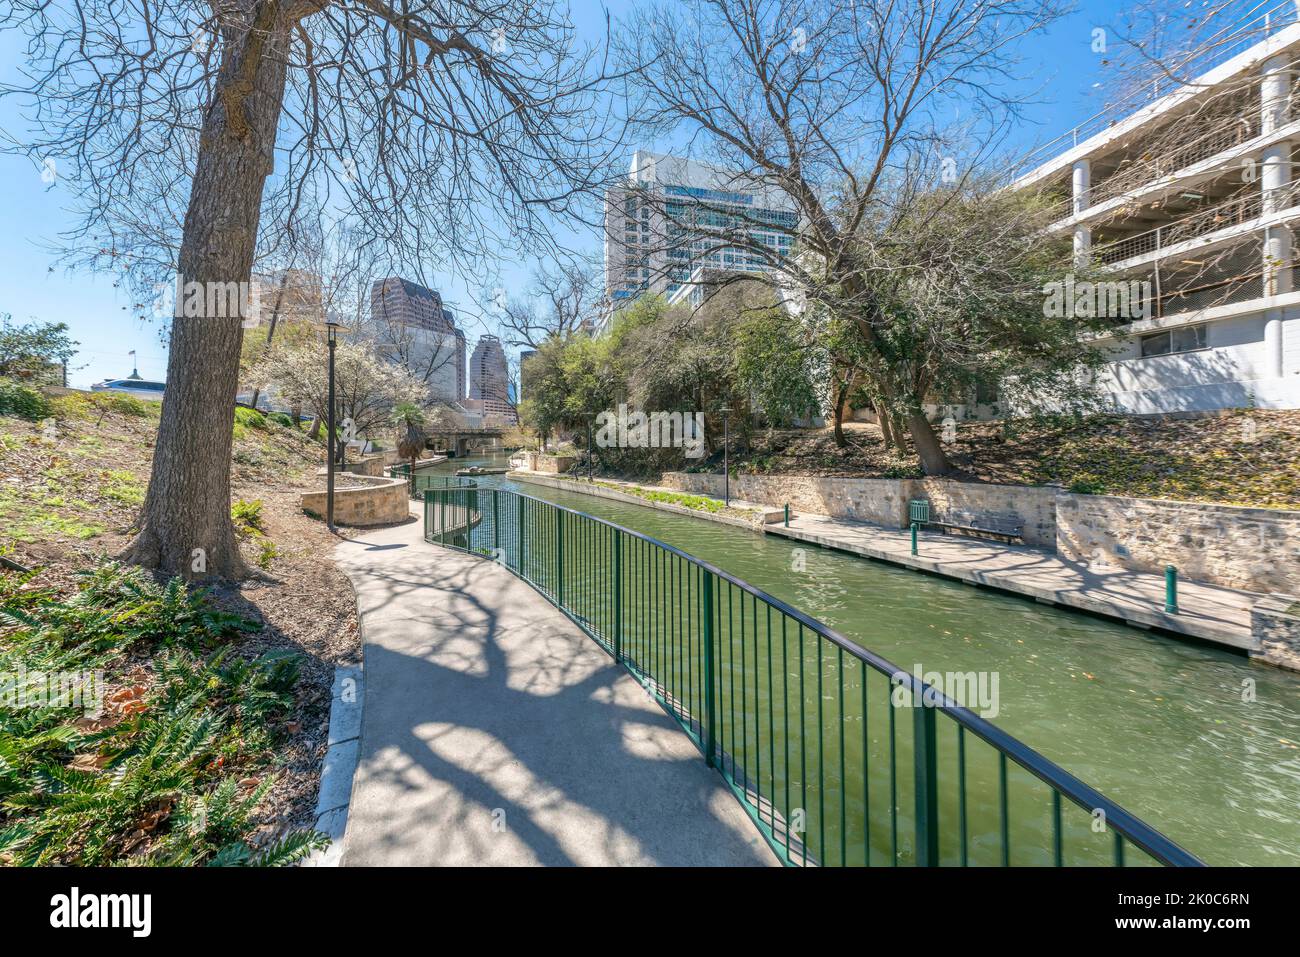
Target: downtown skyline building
<point x="677" y="223"/>
<point x="412" y="326"/>
<point x="489" y="381"/>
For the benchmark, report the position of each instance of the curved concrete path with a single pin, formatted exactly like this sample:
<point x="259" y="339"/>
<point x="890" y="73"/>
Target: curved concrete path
<point x="495" y="732"/>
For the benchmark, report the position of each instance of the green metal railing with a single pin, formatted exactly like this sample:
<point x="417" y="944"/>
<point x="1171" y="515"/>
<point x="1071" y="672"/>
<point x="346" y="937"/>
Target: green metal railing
<point x="838" y="756"/>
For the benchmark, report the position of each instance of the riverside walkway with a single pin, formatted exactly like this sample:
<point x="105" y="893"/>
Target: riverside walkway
<point x="1208" y="612"/>
<point x="494" y="732"/>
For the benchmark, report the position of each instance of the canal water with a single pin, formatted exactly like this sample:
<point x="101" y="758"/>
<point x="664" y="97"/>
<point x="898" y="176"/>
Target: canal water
<point x="1198" y="742"/>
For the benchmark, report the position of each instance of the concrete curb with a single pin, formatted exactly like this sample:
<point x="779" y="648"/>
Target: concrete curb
<point x="342" y="751"/>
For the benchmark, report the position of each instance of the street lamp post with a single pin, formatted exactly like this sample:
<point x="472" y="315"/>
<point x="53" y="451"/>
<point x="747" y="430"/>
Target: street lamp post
<point x="332" y="329"/>
<point x="726" y="457"/>
<point x="591" y="461"/>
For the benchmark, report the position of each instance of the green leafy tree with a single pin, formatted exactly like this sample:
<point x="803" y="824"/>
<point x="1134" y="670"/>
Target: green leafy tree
<point x="32" y="350"/>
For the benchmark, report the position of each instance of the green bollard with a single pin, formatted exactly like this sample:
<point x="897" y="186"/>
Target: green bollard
<point x="915" y="526"/>
<point x="787" y="514"/>
<point x="1171" y="590"/>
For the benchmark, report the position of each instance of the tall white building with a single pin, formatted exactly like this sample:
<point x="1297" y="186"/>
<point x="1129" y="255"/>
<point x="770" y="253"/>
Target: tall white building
<point x="1194" y="193"/>
<point x="677" y="219"/>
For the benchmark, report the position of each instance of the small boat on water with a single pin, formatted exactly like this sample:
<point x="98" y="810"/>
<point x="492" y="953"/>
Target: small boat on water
<point x="479" y="470"/>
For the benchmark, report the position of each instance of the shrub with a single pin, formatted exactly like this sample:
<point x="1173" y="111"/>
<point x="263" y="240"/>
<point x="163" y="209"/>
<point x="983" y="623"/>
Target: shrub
<point x="23" y="401"/>
<point x="1087" y="485"/>
<point x="247" y="516"/>
<point x="282" y="418"/>
<point x="249" y="419"/>
<point x="124" y="404"/>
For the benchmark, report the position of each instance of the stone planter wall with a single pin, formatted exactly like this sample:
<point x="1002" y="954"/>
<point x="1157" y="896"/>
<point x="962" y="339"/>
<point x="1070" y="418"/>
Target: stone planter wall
<point x="553" y="464"/>
<point x="381" y="501"/>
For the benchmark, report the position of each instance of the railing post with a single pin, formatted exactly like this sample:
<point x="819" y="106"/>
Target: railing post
<point x="1171" y="590"/>
<point x="707" y="731"/>
<point x="559" y="557"/>
<point x="927" y="791"/>
<point x="496" y="528"/>
<point x="522" y="572"/>
<point x="618" y="596"/>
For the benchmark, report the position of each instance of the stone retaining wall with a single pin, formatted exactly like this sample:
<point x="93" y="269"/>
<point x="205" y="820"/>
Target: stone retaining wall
<point x="1034" y="509"/>
<point x="881" y="501"/>
<point x="1257" y="549"/>
<point x="884" y="501"/>
<point x="380" y="501"/>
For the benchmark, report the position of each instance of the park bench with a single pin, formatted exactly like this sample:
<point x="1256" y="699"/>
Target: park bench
<point x="980" y="525"/>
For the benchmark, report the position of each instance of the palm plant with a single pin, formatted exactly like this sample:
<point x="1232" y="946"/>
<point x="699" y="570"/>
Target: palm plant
<point x="410" y="421"/>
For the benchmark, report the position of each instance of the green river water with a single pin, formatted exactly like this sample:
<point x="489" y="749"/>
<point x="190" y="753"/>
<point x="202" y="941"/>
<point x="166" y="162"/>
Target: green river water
<point x="1196" y="741"/>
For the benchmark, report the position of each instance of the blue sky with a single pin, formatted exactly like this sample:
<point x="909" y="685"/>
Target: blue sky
<point x="1060" y="67"/>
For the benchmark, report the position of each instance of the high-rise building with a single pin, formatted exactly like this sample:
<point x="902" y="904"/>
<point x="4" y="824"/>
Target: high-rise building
<point x="1187" y="192"/>
<point x="411" y="326"/>
<point x="676" y="219"/>
<point x="285" y="295"/>
<point x="489" y="379"/>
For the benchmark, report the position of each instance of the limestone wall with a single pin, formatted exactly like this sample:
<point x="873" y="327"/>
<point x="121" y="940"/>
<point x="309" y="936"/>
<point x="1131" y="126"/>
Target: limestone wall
<point x="1034" y="509"/>
<point x="1257" y="549"/>
<point x="1251" y="548"/>
<point x="882" y="501"/>
<point x="379" y="501"/>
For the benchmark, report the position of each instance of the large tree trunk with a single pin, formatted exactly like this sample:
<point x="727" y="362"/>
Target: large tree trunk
<point x="886" y="426"/>
<point x="933" y="459"/>
<point x="837" y="411"/>
<point x="185" y="525"/>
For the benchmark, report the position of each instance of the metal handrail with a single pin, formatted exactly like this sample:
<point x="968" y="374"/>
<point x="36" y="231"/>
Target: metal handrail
<point x="657" y="640"/>
<point x="1246" y="34"/>
<point x="1234" y="212"/>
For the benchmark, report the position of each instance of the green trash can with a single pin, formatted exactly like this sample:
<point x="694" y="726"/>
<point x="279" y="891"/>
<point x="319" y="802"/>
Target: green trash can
<point x="918" y="511"/>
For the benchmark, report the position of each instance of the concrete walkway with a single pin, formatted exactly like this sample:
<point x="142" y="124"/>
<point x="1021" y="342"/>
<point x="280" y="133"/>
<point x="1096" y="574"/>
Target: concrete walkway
<point x="495" y="732"/>
<point x="1209" y="612"/>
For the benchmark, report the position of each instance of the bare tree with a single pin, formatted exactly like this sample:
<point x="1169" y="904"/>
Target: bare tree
<point x="563" y="298"/>
<point x="442" y="129"/>
<point x="842" y="107"/>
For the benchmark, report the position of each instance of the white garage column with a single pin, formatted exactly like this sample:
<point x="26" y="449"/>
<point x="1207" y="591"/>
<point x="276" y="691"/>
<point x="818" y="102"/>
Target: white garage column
<point x="1275" y="182"/>
<point x="1273" y="353"/>
<point x="1082" y="233"/>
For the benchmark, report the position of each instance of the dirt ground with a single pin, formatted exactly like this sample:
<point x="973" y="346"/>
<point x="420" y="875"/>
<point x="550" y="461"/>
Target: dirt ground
<point x="1240" y="457"/>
